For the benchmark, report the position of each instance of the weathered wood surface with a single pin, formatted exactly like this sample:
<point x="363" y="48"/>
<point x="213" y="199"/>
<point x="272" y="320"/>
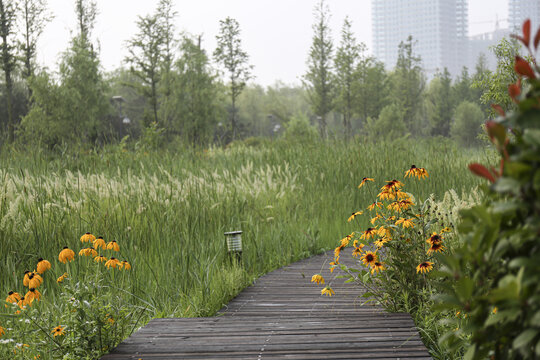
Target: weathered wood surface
<point x="283" y="316"/>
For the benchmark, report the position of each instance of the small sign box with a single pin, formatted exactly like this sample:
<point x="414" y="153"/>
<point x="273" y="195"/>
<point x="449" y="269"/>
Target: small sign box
<point x="234" y="241"/>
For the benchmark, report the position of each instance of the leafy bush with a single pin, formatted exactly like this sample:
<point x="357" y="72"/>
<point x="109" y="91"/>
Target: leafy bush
<point x="298" y="129"/>
<point x="467" y="123"/>
<point x="388" y="126"/>
<point x="495" y="275"/>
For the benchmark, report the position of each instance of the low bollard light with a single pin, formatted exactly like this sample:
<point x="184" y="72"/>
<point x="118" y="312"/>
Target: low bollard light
<point x="234" y="243"/>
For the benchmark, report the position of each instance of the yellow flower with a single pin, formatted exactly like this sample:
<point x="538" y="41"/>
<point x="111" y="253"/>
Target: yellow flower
<point x="66" y="255"/>
<point x="420" y="173"/>
<point x="400" y="205"/>
<point x="446" y="229"/>
<point x="381" y="241"/>
<point x="377" y="217"/>
<point x="345" y="241"/>
<point x="2" y="331"/>
<point x="364" y="181"/>
<point x="327" y="291"/>
<point x="387" y="195"/>
<point x="434" y="238"/>
<point x="376" y="267"/>
<point x="369" y="258"/>
<point x="23" y="302"/>
<point x="62" y="278"/>
<point x="424" y="267"/>
<point x="99" y="242"/>
<point x="100" y="258"/>
<point x="124" y="265"/>
<point x="32" y="295"/>
<point x="423" y="173"/>
<point x="392" y="185"/>
<point x="34" y="280"/>
<point x="88" y="238"/>
<point x="43" y="265"/>
<point x="13" y="297"/>
<point x="354" y="214"/>
<point x="495" y="309"/>
<point x="88" y="252"/>
<point x="58" y="331"/>
<point x="317" y="278"/>
<point x="374" y="205"/>
<point x="113" y="262"/>
<point x="436" y="247"/>
<point x="406" y="223"/>
<point x="357" y="250"/>
<point x="368" y="234"/>
<point x="384" y="232"/>
<point x="26" y="278"/>
<point x="113" y="245"/>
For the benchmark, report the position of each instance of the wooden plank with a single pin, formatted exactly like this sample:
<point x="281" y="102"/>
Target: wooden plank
<point x="283" y="316"/>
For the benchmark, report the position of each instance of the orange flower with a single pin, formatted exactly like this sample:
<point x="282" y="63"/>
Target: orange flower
<point x="43" y="265"/>
<point x="66" y="255"/>
<point x="364" y="181"/>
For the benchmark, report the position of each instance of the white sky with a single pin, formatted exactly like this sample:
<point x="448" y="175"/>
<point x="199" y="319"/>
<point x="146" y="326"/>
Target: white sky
<point x="275" y="33"/>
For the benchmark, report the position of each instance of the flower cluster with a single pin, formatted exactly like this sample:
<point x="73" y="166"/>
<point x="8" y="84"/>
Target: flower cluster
<point x="396" y="232"/>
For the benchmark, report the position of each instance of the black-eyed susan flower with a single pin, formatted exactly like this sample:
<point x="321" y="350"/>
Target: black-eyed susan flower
<point x="317" y="278"/>
<point x="400" y="195"/>
<point x="357" y="250"/>
<point x="374" y="220"/>
<point x="99" y="243"/>
<point x="391" y="218"/>
<point x="345" y="241"/>
<point x="354" y="214"/>
<point x="43" y="265"/>
<point x="100" y="258"/>
<point x="406" y="223"/>
<point x="376" y="267"/>
<point x="384" y="232"/>
<point x="369" y="233"/>
<point x="424" y="267"/>
<point x="423" y="173"/>
<point x="23" y="302"/>
<point x="62" y="278"/>
<point x="112" y="262"/>
<point x="333" y="265"/>
<point x="88" y="238"/>
<point x="392" y="185"/>
<point x="374" y="205"/>
<point x="379" y="243"/>
<point x="411" y="171"/>
<point x="434" y="238"/>
<point x="113" y="245"/>
<point x="387" y="195"/>
<point x="26" y="278"/>
<point x="13" y="297"/>
<point x="34" y="280"/>
<point x="124" y="265"/>
<point x="32" y="295"/>
<point x="58" y="331"/>
<point x="364" y="180"/>
<point x="2" y="331"/>
<point x="66" y="255"/>
<point x="369" y="257"/>
<point x="446" y="229"/>
<point x="88" y="252"/>
<point x="337" y="251"/>
<point x="327" y="291"/>
<point x="436" y="247"/>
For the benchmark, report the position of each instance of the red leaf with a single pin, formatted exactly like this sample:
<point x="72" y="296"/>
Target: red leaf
<point x="537" y="39"/>
<point x="497" y="131"/>
<point x="523" y="68"/>
<point x="498" y="109"/>
<point x="514" y="90"/>
<point x="527" y="32"/>
<point x="481" y="170"/>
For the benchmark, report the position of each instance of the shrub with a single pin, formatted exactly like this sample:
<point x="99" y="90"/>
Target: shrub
<point x="388" y="126"/>
<point x="468" y="120"/>
<point x="298" y="129"/>
<point x="495" y="275"/>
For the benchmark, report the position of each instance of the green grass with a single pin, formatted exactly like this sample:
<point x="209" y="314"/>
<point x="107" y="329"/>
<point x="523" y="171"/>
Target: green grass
<point x="168" y="210"/>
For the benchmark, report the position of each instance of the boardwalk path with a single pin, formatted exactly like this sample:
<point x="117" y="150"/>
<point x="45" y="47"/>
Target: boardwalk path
<point x="282" y="316"/>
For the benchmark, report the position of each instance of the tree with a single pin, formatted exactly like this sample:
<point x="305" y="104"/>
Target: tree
<point x="319" y="80"/>
<point x="371" y="88"/>
<point x="408" y="84"/>
<point x="195" y="93"/>
<point x="8" y="11"/>
<point x="35" y="17"/>
<point x="86" y="11"/>
<point x="347" y="56"/>
<point x="230" y="55"/>
<point x="461" y="89"/>
<point x="442" y="106"/>
<point x="145" y="59"/>
<point x="388" y="126"/>
<point x="468" y="120"/>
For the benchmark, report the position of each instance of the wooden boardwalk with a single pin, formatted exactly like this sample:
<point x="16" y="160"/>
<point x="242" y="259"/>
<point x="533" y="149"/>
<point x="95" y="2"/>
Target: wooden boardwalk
<point x="283" y="316"/>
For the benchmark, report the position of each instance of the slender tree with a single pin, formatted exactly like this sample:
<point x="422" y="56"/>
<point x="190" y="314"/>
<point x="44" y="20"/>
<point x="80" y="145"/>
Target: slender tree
<point x="230" y="55"/>
<point x="371" y="88"/>
<point x="442" y="105"/>
<point x="319" y="80"/>
<point x="145" y="59"/>
<point x="8" y="11"/>
<point x="346" y="62"/>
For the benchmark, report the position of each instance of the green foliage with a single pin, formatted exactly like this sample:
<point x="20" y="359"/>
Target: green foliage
<point x="8" y="20"/>
<point x="299" y="130"/>
<point x="371" y="88"/>
<point x="388" y="126"/>
<point x="319" y="79"/>
<point x="441" y="107"/>
<point x="230" y="55"/>
<point x="495" y="273"/>
<point x="467" y="125"/>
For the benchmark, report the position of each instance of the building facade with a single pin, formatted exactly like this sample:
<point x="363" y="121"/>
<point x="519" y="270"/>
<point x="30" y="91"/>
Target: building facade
<point x="520" y="10"/>
<point x="438" y="27"/>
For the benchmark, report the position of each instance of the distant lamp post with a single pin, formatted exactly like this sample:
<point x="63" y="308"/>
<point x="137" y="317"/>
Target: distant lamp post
<point x="119" y="100"/>
<point x="234" y="243"/>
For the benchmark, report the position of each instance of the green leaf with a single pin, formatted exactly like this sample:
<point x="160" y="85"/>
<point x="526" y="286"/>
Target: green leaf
<point x="469" y="355"/>
<point x="506" y="185"/>
<point x="505" y="207"/>
<point x="524" y="338"/>
<point x="367" y="294"/>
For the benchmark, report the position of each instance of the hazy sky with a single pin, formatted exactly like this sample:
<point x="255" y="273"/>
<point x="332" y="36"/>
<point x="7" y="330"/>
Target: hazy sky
<point x="275" y="33"/>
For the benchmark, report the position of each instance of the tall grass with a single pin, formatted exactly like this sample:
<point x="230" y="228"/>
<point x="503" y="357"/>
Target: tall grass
<point x="169" y="209"/>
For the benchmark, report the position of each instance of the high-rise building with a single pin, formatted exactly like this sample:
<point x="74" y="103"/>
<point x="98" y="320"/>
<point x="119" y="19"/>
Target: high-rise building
<point x="438" y="27"/>
<point x="520" y="10"/>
